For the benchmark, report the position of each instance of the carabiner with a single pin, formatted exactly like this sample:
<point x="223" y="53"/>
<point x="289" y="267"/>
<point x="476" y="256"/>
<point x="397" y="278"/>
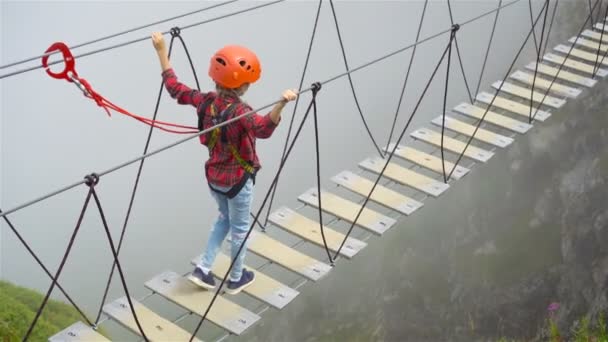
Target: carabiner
<point x="69" y="72"/>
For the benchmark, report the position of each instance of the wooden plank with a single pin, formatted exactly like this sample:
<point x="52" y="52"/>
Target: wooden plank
<point x="381" y="195"/>
<point x="572" y="64"/>
<point x="427" y="161"/>
<point x="482" y="134"/>
<point x="287" y="257"/>
<point x="590" y="44"/>
<point x="578" y="53"/>
<point x="601" y="27"/>
<point x="78" y="332"/>
<point x="347" y="210"/>
<point x="594" y="35"/>
<point x="264" y="288"/>
<point x="155" y="327"/>
<point x="493" y="118"/>
<point x="562" y="75"/>
<point x="405" y="176"/>
<point x="526" y="93"/>
<point x="309" y="230"/>
<point x="542" y="83"/>
<point x="452" y="145"/>
<point x="512" y="106"/>
<point x="184" y="293"/>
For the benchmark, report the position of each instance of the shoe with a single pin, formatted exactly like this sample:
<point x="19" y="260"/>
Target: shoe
<point x="235" y="287"/>
<point x="201" y="279"/>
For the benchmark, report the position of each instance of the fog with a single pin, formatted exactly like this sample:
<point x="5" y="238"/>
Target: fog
<point x="51" y="136"/>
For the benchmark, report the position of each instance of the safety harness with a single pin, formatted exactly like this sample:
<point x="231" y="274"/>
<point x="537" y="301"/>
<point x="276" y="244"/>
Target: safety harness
<point x="221" y="133"/>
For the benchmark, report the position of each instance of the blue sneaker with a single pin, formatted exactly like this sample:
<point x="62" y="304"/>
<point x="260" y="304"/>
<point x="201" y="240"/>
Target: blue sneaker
<point x="201" y="279"/>
<point x="235" y="287"/>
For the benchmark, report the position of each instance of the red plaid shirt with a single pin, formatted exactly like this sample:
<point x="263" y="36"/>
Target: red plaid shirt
<point x="222" y="168"/>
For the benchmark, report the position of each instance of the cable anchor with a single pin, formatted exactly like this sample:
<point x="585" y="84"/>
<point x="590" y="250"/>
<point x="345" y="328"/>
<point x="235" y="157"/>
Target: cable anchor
<point x="91" y="179"/>
<point x="175" y="31"/>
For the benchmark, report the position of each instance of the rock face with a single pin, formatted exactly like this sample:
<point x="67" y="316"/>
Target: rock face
<point x="558" y="254"/>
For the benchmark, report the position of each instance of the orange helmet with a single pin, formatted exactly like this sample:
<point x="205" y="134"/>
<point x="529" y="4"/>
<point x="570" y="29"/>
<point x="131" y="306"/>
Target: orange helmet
<point x="234" y="65"/>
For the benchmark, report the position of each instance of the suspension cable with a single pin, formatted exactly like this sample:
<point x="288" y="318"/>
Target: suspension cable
<point x="114" y="35"/>
<point x="115" y="46"/>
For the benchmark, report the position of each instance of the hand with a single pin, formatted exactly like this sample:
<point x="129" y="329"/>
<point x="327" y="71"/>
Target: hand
<point x="159" y="41"/>
<point x="289" y="95"/>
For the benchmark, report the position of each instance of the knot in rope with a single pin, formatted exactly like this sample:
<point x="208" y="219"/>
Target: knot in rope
<point x="315" y="88"/>
<point x="91" y="180"/>
<point x="89" y="92"/>
<point x="175" y="31"/>
<point x="455" y="28"/>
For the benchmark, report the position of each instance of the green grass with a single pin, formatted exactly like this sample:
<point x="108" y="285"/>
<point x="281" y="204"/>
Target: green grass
<point x="554" y="331"/>
<point x="18" y="307"/>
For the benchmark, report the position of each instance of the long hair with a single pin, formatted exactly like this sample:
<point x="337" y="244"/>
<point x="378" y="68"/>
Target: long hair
<point x="228" y="92"/>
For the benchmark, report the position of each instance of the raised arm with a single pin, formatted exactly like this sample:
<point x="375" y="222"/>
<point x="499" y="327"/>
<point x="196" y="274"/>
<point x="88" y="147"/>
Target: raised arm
<point x="177" y="90"/>
<point x="263" y="125"/>
<point x="161" y="49"/>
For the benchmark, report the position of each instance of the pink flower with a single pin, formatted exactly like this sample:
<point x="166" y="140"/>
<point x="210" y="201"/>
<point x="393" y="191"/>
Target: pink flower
<point x="553" y="307"/>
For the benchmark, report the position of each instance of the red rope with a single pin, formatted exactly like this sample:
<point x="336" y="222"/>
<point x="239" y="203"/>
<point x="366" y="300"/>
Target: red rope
<point x="69" y="74"/>
<point x="107" y="106"/>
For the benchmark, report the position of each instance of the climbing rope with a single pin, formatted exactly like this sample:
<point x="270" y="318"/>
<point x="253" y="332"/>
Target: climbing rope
<point x="392" y="153"/>
<point x="551" y="24"/>
<point x="455" y="29"/>
<point x="597" y="65"/>
<point x="509" y="71"/>
<point x="45" y="269"/>
<point x="91" y="185"/>
<point x="55" y="278"/>
<point x="481" y="120"/>
<point x="295" y="107"/>
<point x="485" y="59"/>
<point x="407" y="76"/>
<point x="591" y="13"/>
<point x="532" y="23"/>
<point x="175" y="33"/>
<point x="580" y="31"/>
<point x="315" y="91"/>
<point x="464" y="75"/>
<point x="538" y="59"/>
<point x="350" y="80"/>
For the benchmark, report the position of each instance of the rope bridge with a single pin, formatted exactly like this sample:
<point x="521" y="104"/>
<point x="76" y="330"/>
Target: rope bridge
<point x="492" y="119"/>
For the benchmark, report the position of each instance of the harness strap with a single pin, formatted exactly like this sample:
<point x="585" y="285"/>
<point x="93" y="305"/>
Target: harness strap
<point x="215" y="134"/>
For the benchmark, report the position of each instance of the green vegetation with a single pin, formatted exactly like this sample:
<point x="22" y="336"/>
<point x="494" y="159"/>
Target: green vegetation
<point x="18" y="307"/>
<point x="585" y="330"/>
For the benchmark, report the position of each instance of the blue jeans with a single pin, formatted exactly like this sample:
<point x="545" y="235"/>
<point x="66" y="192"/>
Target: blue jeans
<point x="233" y="216"/>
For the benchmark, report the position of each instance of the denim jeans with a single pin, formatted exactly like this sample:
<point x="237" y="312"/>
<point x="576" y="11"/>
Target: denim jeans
<point x="233" y="217"/>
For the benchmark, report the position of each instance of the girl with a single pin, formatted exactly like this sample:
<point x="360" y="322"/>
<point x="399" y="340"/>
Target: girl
<point x="233" y="161"/>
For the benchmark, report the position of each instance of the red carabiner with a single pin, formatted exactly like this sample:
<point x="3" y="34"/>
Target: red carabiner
<point x="68" y="59"/>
